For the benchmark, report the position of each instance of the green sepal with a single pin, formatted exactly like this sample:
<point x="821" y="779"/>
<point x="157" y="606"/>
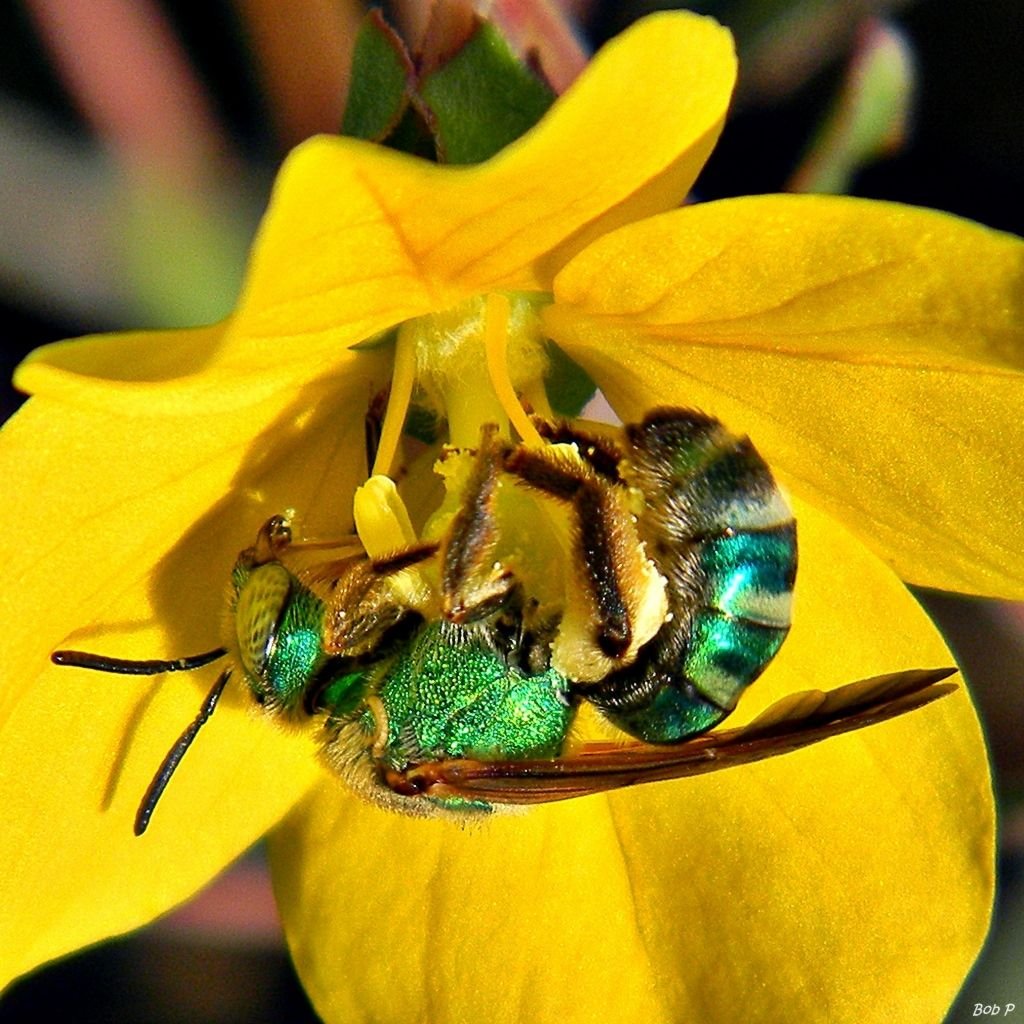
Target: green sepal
<point x="567" y="385"/>
<point x="463" y="112"/>
<point x="482" y="99"/>
<point x="412" y="134"/>
<point x="380" y="83"/>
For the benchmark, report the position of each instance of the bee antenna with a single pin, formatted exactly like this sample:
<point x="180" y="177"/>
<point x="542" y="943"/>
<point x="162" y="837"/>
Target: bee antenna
<point x="177" y="752"/>
<point x="126" y="667"/>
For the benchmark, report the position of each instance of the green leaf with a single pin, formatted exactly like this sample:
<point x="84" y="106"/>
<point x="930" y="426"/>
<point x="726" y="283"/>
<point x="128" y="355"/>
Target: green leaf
<point x="482" y="99"/>
<point x="381" y="73"/>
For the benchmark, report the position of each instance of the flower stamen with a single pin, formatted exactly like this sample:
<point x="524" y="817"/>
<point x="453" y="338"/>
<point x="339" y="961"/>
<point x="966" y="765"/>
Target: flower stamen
<point x="496" y="317"/>
<point x="402" y="380"/>
<point x="382" y="520"/>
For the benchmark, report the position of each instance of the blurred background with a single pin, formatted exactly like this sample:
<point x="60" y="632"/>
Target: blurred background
<point x="138" y="142"/>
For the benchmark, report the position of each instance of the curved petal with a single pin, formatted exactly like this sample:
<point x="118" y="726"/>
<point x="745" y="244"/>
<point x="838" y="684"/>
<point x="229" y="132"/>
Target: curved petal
<point x="796" y="889"/>
<point x="872" y="351"/>
<point x="121" y="537"/>
<point x="189" y="371"/>
<point x="359" y="238"/>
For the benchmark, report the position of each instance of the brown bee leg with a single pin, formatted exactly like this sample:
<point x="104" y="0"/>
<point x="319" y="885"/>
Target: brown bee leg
<point x="602" y="454"/>
<point x="371" y="586"/>
<point x="472" y="582"/>
<point x="604" y="539"/>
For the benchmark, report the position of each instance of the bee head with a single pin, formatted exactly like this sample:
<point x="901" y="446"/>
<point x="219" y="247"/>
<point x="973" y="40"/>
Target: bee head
<point x="278" y="632"/>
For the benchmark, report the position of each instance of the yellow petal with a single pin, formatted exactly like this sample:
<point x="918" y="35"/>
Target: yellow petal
<point x="121" y="537"/>
<point x="802" y="888"/>
<point x="871" y="351"/>
<point x="359" y="238"/>
<point x="170" y="373"/>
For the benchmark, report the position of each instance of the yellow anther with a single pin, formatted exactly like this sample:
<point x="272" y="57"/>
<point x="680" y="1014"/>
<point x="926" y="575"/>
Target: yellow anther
<point x="382" y="520"/>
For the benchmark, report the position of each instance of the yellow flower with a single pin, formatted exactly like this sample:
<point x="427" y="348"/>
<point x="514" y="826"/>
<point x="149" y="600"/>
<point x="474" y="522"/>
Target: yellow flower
<point x="871" y="351"/>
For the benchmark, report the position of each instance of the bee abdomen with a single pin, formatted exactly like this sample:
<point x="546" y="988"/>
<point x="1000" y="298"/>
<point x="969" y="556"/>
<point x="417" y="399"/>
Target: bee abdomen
<point x="722" y="535"/>
<point x="739" y="629"/>
<point x="749" y="574"/>
<point x="699" y="480"/>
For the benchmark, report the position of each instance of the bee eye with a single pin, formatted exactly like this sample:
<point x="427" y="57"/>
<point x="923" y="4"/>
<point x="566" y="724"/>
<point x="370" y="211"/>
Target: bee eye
<point x="278" y="625"/>
<point x="261" y="605"/>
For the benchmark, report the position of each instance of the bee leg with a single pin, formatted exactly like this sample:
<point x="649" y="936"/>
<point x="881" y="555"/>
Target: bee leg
<point x="602" y="454"/>
<point x="473" y="583"/>
<point x="606" y="540"/>
<point x="384" y="594"/>
<point x="379" y="740"/>
<point x="274" y="536"/>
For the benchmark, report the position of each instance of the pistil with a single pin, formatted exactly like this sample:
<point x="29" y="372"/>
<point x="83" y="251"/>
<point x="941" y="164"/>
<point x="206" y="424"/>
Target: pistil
<point x="438" y="361"/>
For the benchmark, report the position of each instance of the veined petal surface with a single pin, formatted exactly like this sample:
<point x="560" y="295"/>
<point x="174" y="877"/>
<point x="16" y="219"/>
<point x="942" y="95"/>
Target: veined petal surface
<point x="359" y="235"/>
<point x="359" y="238"/>
<point x="141" y="373"/>
<point x="170" y="373"/>
<point x="872" y="351"/>
<point x="801" y="888"/>
<point x="122" y="534"/>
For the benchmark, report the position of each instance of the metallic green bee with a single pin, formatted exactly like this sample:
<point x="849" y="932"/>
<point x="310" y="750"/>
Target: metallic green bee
<point x="449" y="673"/>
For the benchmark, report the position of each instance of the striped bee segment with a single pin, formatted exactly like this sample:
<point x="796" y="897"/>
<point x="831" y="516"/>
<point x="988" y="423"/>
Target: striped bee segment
<point x="726" y="655"/>
<point x="674" y="712"/>
<point x="750" y="574"/>
<point x="722" y="536"/>
<point x="733" y="490"/>
<point x="748" y="585"/>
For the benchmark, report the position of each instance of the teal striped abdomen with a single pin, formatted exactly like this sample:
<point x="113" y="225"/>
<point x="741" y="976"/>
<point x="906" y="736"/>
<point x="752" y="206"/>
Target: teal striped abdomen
<point x="722" y="535"/>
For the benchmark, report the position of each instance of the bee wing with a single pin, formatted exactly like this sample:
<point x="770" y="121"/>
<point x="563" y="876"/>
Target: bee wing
<point x="791" y="723"/>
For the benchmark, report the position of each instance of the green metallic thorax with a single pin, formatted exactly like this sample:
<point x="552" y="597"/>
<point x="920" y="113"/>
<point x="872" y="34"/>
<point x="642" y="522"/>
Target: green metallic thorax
<point x="447" y="694"/>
